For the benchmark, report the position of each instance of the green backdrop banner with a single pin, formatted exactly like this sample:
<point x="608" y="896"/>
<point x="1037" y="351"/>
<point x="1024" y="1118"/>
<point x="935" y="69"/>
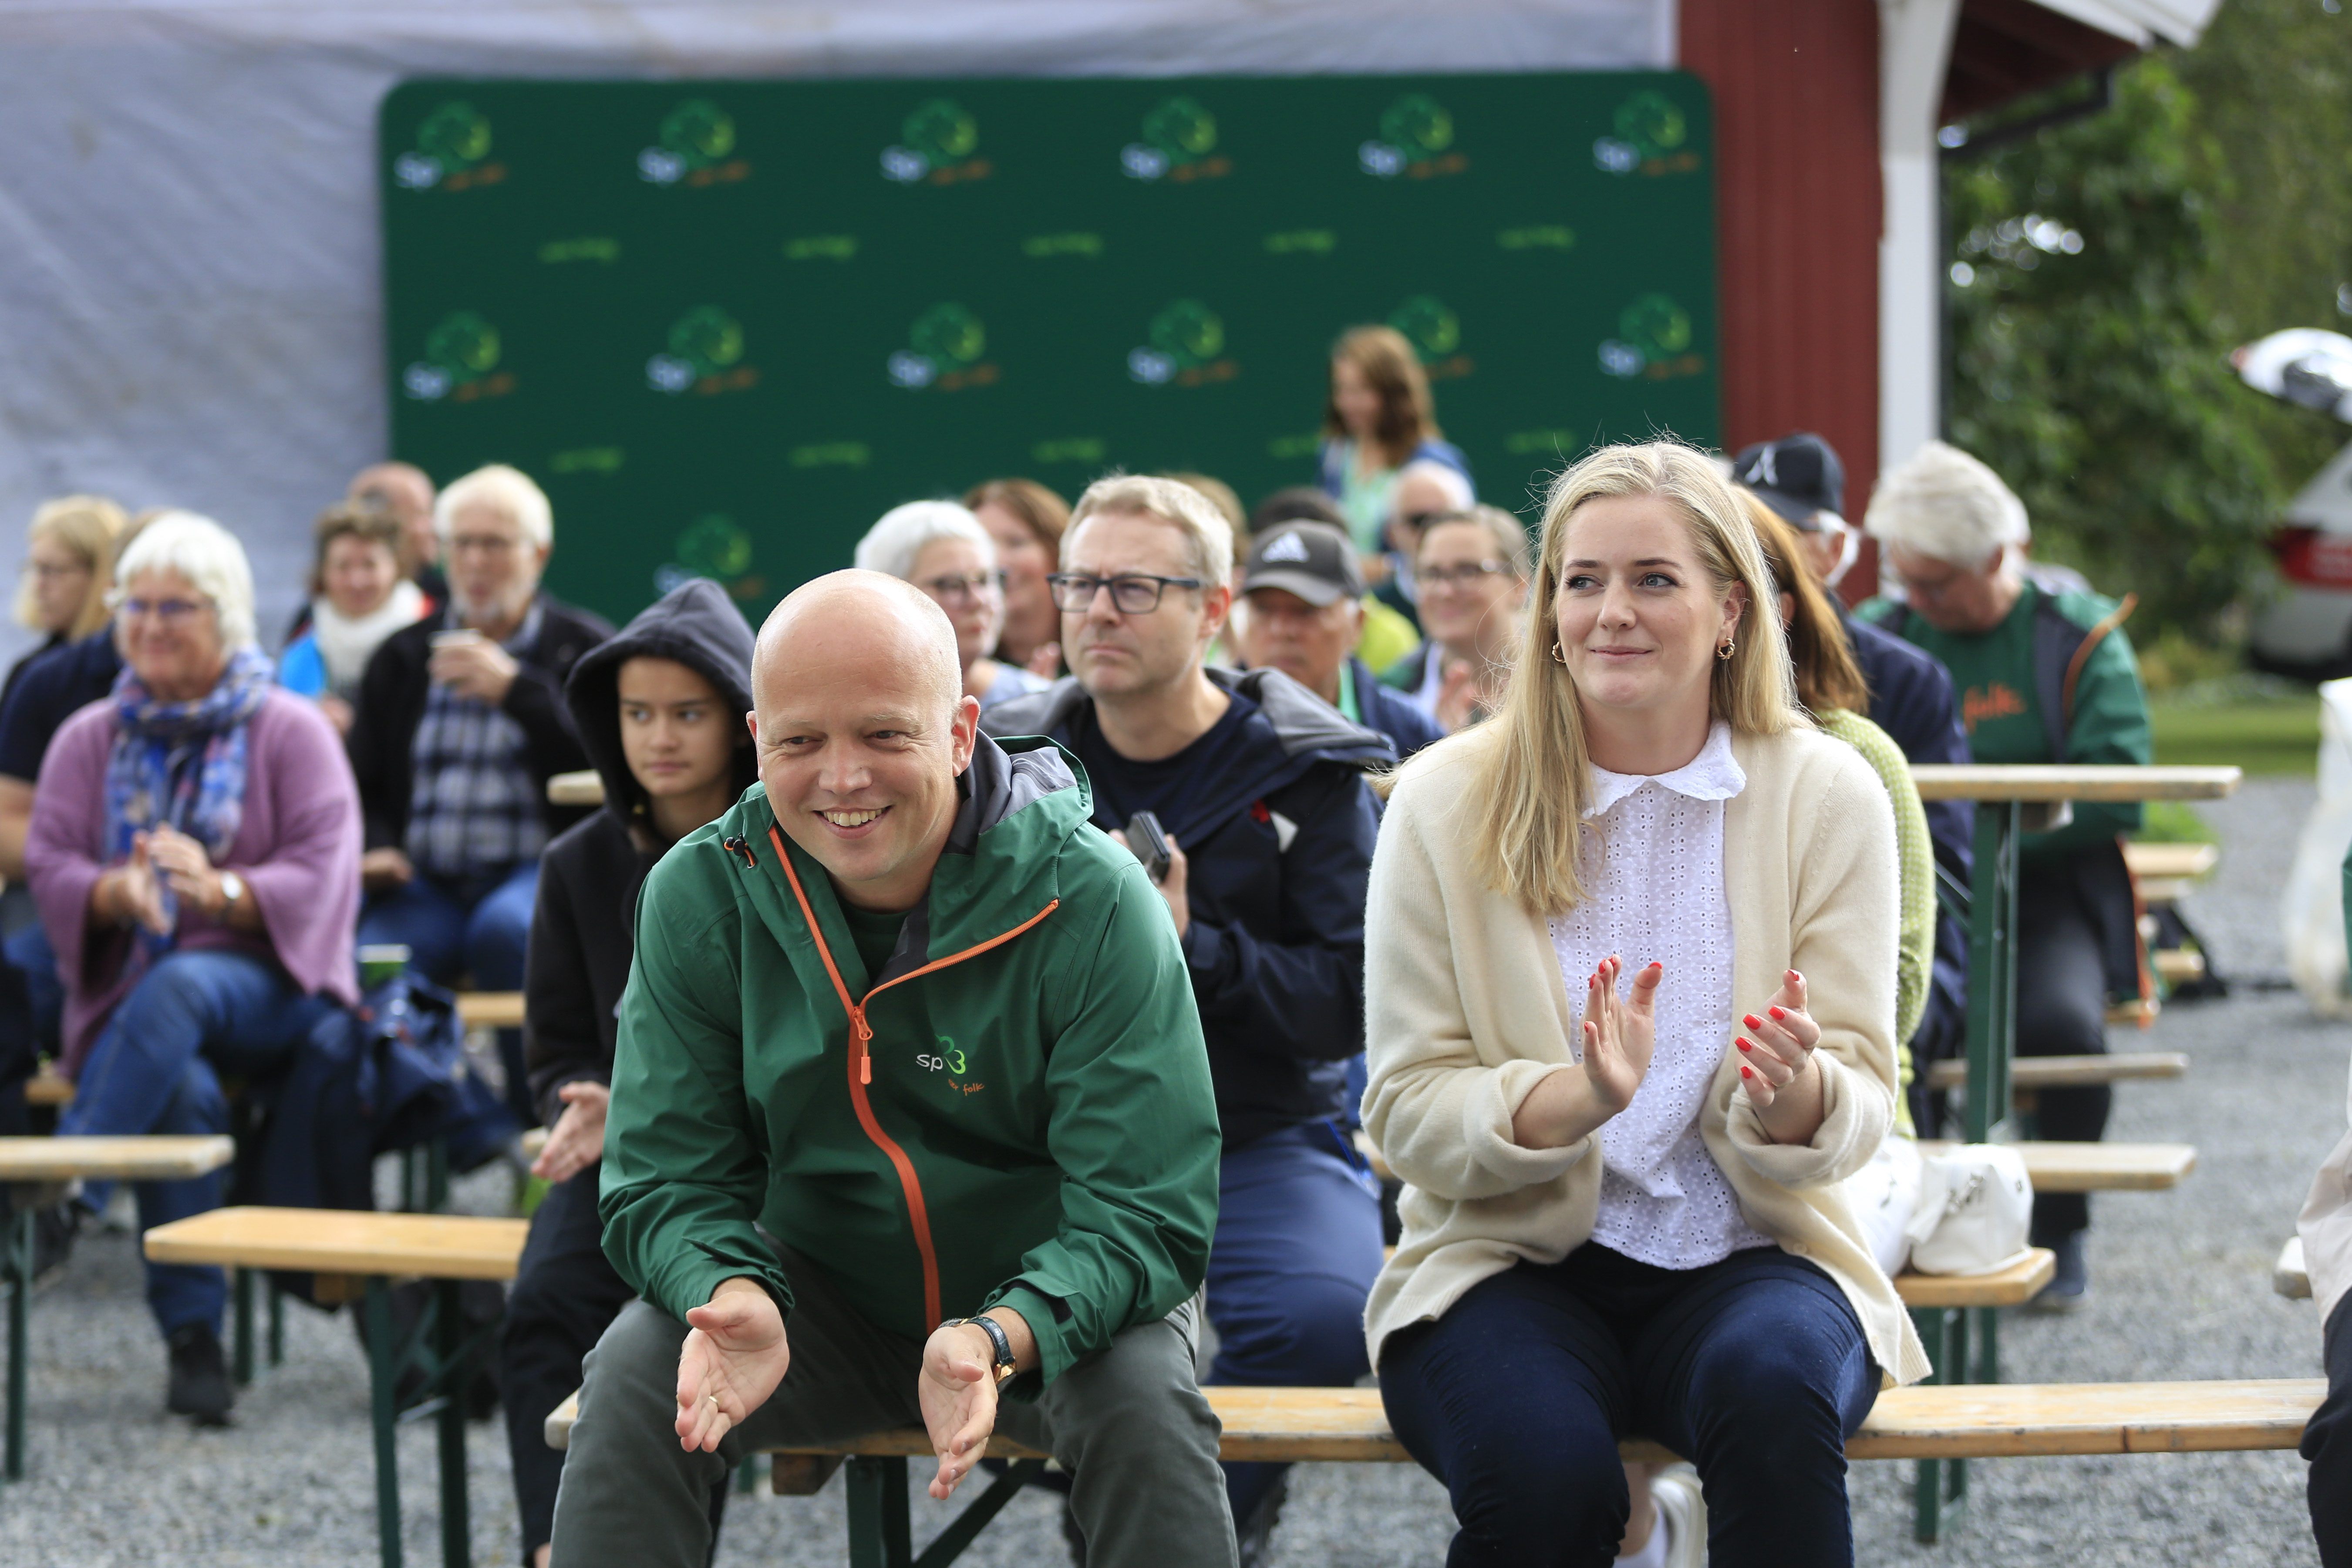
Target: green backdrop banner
<point x="727" y="324"/>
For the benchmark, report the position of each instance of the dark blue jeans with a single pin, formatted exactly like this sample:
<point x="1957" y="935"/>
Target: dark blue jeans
<point x="1297" y="1249"/>
<point x="2327" y="1444"/>
<point x="478" y="925"/>
<point x="1754" y="1369"/>
<point x="153" y="1069"/>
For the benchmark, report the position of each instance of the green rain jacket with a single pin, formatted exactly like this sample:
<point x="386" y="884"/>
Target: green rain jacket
<point x="1030" y="1122"/>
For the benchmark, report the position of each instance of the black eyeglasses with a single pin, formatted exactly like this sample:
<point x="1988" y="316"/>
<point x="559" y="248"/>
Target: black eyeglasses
<point x="1131" y="592"/>
<point x="1462" y="576"/>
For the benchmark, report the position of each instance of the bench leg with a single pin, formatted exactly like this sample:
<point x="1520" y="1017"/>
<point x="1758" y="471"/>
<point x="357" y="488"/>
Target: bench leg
<point x="383" y="1376"/>
<point x="241" y="1334"/>
<point x="277" y="1324"/>
<point x="457" y="1532"/>
<point x="1942" y="1485"/>
<point x="880" y="1535"/>
<point x="958" y="1535"/>
<point x="19" y="1270"/>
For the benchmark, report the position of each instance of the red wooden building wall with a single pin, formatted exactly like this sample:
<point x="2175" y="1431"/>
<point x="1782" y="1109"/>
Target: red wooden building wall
<point x="1797" y="198"/>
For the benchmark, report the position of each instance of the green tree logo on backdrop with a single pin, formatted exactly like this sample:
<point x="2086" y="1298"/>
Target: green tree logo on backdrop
<point x="1651" y="136"/>
<point x="944" y="347"/>
<point x="1654" y="338"/>
<point x="714" y="547"/>
<point x="941" y="143"/>
<point x="1184" y="344"/>
<point x="453" y="144"/>
<point x="704" y="351"/>
<point x="1416" y="139"/>
<point x="694" y="144"/>
<point x="461" y="357"/>
<point x="1432" y="328"/>
<point x="1178" y="135"/>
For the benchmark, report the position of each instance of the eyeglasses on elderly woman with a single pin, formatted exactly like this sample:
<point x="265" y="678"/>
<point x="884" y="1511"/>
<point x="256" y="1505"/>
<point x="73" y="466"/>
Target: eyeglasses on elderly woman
<point x="170" y="611"/>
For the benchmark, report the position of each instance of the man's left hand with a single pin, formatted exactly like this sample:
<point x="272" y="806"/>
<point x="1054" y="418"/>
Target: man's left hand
<point x="957" y="1391"/>
<point x="476" y="668"/>
<point x="1171" y="888"/>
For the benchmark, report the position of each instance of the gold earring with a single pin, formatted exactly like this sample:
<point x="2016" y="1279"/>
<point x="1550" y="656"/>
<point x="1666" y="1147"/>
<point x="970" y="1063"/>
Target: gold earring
<point x="1557" y="657"/>
<point x="1724" y="652"/>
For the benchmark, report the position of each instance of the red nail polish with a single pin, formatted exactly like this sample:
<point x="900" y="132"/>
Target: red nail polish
<point x="1746" y="1071"/>
<point x="1752" y="1021"/>
<point x="1745" y="1046"/>
<point x="1777" y="1013"/>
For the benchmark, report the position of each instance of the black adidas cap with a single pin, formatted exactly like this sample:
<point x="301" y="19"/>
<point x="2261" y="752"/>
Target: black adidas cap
<point x="1799" y="476"/>
<point x="1313" y="560"/>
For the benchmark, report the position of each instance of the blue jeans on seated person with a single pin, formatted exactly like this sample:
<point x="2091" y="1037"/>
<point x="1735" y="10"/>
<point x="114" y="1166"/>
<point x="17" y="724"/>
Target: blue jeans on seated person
<point x="1297" y="1249"/>
<point x="1754" y="1369"/>
<point x="155" y="1069"/>
<point x="455" y="928"/>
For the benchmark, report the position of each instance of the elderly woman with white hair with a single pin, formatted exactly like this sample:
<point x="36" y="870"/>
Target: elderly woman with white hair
<point x="2045" y="674"/>
<point x="194" y="852"/>
<point x="945" y="552"/>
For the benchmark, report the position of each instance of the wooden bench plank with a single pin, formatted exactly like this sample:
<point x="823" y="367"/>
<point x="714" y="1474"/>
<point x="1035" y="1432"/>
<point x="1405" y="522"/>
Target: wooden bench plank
<point x="586" y="787"/>
<point x="48" y="1087"/>
<point x="2183" y="862"/>
<point x="1924" y="1421"/>
<point x="2069" y="1071"/>
<point x="2098" y="1167"/>
<point x="2178" y="965"/>
<point x="491" y="1010"/>
<point x="344" y="1241"/>
<point x="2071" y="781"/>
<point x="2289" y="1277"/>
<point x="161" y="1157"/>
<point x="2009" y="1287"/>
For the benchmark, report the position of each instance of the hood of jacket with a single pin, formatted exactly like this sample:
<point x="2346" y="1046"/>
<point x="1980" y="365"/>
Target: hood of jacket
<point x="694" y="624"/>
<point x="1292" y="730"/>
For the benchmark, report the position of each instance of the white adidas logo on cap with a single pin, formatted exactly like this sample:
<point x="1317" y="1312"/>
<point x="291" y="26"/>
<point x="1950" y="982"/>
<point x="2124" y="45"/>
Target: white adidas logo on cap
<point x="1289" y="547"/>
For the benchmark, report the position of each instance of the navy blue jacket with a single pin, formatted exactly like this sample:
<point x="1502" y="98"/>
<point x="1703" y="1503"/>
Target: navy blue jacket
<point x="1392" y="713"/>
<point x="1279" y="849"/>
<point x="1911" y="700"/>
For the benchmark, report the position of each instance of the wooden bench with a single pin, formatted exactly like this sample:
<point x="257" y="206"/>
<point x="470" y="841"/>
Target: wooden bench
<point x="586" y="787"/>
<point x="491" y="1010"/>
<point x="2162" y="873"/>
<point x="34" y="1172"/>
<point x="357" y="1255"/>
<point x="2098" y="1167"/>
<point x="1927" y="1421"/>
<point x="49" y="1087"/>
<point x="2031" y="1072"/>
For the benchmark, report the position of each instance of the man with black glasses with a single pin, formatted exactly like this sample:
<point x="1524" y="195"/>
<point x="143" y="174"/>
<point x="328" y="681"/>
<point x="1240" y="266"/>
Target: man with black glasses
<point x="1259" y="788"/>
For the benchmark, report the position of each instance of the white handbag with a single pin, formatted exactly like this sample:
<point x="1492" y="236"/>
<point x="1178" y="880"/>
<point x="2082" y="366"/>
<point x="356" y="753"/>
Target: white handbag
<point x="1883" y="1195"/>
<point x="1974" y="1207"/>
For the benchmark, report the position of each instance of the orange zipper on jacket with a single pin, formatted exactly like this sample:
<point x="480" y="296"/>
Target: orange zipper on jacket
<point x="861" y="1035"/>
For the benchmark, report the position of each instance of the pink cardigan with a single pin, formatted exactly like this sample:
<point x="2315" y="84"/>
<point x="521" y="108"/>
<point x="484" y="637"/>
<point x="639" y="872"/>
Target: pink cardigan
<point x="297" y="851"/>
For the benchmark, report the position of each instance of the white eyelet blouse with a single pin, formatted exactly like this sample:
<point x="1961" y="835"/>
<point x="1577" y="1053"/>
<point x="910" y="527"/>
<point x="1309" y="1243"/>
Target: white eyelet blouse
<point x="1653" y="869"/>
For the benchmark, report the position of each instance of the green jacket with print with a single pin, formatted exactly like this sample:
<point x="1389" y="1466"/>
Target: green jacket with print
<point x="1030" y="1123"/>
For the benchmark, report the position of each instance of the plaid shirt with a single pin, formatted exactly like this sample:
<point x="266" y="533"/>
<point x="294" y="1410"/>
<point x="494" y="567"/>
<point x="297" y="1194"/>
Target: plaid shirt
<point x="475" y="808"/>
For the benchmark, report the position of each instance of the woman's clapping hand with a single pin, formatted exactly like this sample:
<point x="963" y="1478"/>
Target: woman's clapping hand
<point x="1619" y="1032"/>
<point x="1775" y="1063"/>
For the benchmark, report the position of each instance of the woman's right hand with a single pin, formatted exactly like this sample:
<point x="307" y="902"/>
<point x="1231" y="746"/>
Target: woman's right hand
<point x="138" y="891"/>
<point x="1619" y="1032"/>
<point x="381" y="870"/>
<point x="1618" y="1035"/>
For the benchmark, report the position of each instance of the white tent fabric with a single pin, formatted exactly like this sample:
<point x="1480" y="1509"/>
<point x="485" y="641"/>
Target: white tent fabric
<point x="190" y="301"/>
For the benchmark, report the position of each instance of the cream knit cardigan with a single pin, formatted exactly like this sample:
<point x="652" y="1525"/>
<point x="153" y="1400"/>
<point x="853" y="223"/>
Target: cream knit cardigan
<point x="1466" y="1012"/>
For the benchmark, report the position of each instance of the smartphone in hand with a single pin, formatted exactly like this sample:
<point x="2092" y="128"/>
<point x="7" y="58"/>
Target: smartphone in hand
<point x="1150" y="845"/>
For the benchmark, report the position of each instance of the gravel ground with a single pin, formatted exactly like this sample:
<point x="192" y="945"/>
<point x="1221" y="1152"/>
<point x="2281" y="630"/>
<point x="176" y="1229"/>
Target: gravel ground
<point x="2180" y="1285"/>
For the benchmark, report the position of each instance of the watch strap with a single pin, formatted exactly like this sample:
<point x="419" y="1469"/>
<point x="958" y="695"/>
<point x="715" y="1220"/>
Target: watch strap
<point x="996" y="1338"/>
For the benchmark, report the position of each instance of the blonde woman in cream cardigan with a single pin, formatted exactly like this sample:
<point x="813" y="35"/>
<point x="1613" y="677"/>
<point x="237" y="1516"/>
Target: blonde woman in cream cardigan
<point x="1630" y="1000"/>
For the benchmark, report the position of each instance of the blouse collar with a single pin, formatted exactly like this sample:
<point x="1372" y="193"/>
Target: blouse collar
<point x="1713" y="775"/>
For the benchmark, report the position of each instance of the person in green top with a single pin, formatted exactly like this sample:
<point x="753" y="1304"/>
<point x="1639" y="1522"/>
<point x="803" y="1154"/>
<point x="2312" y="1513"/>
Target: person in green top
<point x="2045" y="674"/>
<point x="910" y="1106"/>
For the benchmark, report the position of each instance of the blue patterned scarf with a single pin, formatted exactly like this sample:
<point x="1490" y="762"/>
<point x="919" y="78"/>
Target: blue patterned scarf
<point x="183" y="763"/>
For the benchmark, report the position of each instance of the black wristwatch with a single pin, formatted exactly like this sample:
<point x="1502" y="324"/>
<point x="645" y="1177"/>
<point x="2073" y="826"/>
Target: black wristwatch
<point x="1004" y="1367"/>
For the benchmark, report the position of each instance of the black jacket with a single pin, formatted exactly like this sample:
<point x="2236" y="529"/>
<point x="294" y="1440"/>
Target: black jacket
<point x="392" y="705"/>
<point x="1279" y="847"/>
<point x="1393" y="713"/>
<point x="582" y="933"/>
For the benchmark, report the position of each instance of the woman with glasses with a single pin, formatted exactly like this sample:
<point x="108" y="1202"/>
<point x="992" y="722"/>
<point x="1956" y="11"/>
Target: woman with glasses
<point x="944" y="550"/>
<point x="69" y="567"/>
<point x="1471" y="573"/>
<point x="194" y="853"/>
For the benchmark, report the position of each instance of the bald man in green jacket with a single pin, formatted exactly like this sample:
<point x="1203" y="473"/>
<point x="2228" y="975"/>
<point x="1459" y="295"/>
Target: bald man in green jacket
<point x="911" y="1121"/>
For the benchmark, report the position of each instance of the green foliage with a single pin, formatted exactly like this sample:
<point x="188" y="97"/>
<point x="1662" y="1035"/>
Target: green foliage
<point x="2090" y="366"/>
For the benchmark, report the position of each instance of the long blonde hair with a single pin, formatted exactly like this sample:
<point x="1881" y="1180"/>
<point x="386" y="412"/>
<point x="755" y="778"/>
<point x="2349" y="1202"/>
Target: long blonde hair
<point x="1533" y="774"/>
<point x="90" y="526"/>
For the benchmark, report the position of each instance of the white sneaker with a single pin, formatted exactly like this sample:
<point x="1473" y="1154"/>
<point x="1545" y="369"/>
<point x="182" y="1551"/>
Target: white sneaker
<point x="1682" y="1514"/>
